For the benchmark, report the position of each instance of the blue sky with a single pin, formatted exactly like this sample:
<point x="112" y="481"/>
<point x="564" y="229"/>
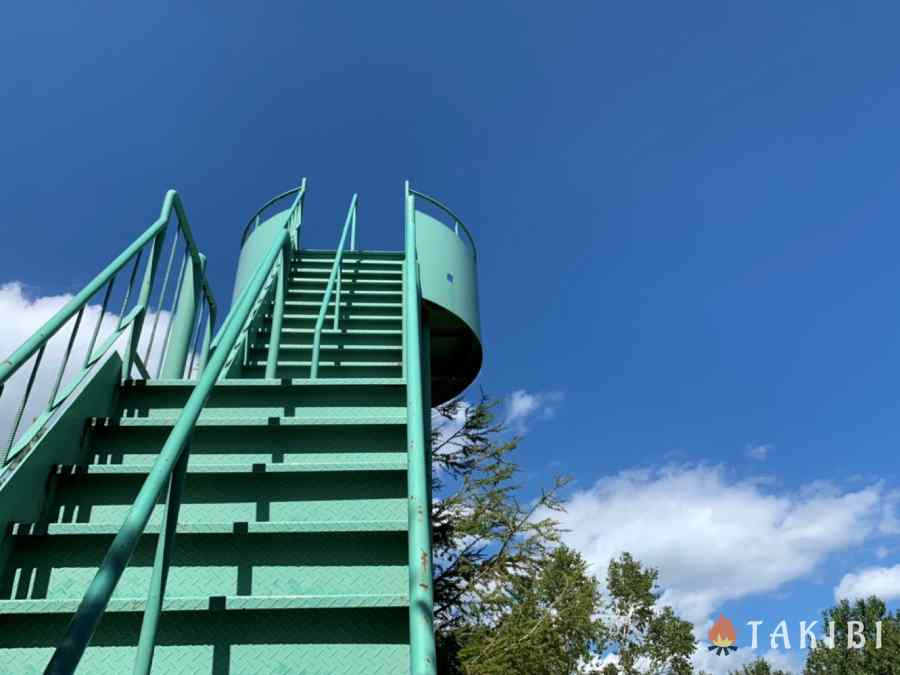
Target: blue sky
<point x="687" y="220"/>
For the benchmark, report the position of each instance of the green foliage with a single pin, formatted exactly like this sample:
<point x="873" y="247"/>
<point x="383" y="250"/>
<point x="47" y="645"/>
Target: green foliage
<point x="543" y="625"/>
<point x="509" y="597"/>
<point x="488" y="546"/>
<point x="648" y="639"/>
<point x="759" y="667"/>
<point x="867" y="661"/>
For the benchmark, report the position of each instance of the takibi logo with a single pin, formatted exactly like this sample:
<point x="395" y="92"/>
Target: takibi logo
<point x="723" y="636"/>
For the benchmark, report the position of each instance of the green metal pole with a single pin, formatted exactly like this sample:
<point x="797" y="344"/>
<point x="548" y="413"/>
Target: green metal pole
<point x="143" y="302"/>
<point x="157" y="593"/>
<point x="320" y="321"/>
<point x="277" y="317"/>
<point x="421" y="592"/>
<point x="87" y="617"/>
<point x="183" y="320"/>
<point x="426" y="387"/>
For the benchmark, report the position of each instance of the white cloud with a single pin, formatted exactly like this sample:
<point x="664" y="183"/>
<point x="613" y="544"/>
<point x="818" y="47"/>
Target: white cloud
<point x="890" y="521"/>
<point x="523" y="407"/>
<point x="882" y="552"/>
<point x="712" y="538"/>
<point x="21" y="317"/>
<point x="708" y="662"/>
<point x="791" y="662"/>
<point x="758" y="452"/>
<point x="446" y="427"/>
<point x="881" y="581"/>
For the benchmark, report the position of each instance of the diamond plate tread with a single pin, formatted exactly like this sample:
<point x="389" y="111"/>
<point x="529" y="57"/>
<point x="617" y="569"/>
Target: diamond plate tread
<point x="249" y="414"/>
<point x="349" y="290"/>
<point x="232" y="508"/>
<point x="386" y="332"/>
<point x="199" y="460"/>
<point x="250" y="564"/>
<point x="263" y="382"/>
<point x="345" y="416"/>
<point x="326" y="362"/>
<point x="220" y="444"/>
<point x="344" y="303"/>
<point x="249" y="642"/>
<point x="372" y="659"/>
<point x="333" y="348"/>
<point x="185" y="580"/>
<point x="323" y="281"/>
<point x="240" y="527"/>
<point x="397" y="463"/>
<point x="199" y="603"/>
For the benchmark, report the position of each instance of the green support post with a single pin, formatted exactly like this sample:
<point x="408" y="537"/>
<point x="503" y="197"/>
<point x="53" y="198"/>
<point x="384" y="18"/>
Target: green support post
<point x="157" y="593"/>
<point x="187" y="306"/>
<point x="131" y="350"/>
<point x="277" y="316"/>
<point x="421" y="592"/>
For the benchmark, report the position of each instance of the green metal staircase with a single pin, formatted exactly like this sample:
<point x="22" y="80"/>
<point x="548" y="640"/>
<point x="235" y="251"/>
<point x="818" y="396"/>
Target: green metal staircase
<point x="264" y="512"/>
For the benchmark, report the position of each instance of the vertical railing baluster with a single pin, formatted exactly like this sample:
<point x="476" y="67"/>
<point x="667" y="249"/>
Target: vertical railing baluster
<point x="157" y="593"/>
<point x="137" y="263"/>
<point x="62" y="367"/>
<point x="195" y="338"/>
<point x="353" y="227"/>
<point x="106" y="296"/>
<point x="172" y="311"/>
<point x="277" y="318"/>
<point x="162" y="297"/>
<point x="207" y="338"/>
<point x="15" y="428"/>
<point x="142" y="303"/>
<point x="337" y="300"/>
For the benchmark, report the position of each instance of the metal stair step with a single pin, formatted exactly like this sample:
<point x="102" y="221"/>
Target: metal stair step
<point x="327" y="363"/>
<point x="234" y="527"/>
<point x="266" y="398"/>
<point x="216" y="603"/>
<point x="311" y="420"/>
<point x="396" y="463"/>
<point x="330" y="336"/>
<point x="251" y="564"/>
<point x="349" y="279"/>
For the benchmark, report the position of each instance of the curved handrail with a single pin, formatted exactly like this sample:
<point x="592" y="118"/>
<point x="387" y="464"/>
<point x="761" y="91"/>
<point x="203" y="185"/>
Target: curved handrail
<point x="254" y="221"/>
<point x="349" y="226"/>
<point x="174" y="452"/>
<point x="457" y="221"/>
<point x="153" y="239"/>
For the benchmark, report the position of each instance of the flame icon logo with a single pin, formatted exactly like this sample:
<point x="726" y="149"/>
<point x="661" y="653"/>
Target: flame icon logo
<point x="723" y="636"/>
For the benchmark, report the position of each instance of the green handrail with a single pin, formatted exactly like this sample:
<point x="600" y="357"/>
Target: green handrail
<point x="421" y="591"/>
<point x="293" y="224"/>
<point x="255" y="219"/>
<point x="336" y="270"/>
<point x="173" y="455"/>
<point x="152" y="241"/>
<point x="457" y="221"/>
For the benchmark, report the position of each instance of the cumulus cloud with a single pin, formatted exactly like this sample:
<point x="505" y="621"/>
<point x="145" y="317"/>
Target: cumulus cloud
<point x="881" y="581"/>
<point x="522" y="407"/>
<point x="791" y="662"/>
<point x="890" y="520"/>
<point x="713" y="538"/>
<point x="758" y="452"/>
<point x="21" y="317"/>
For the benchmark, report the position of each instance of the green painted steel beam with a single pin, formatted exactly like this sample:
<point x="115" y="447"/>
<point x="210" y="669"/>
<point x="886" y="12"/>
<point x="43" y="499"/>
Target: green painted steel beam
<point x="423" y="660"/>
